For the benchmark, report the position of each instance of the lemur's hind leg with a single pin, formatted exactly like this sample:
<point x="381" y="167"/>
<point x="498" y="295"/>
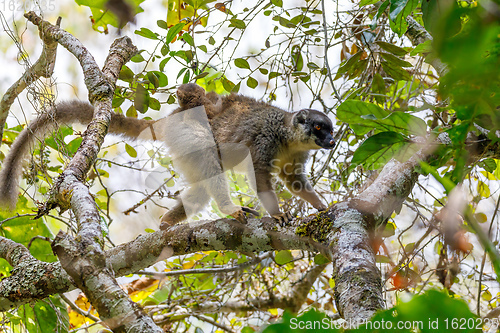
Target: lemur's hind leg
<point x="218" y="189"/>
<point x="192" y="201"/>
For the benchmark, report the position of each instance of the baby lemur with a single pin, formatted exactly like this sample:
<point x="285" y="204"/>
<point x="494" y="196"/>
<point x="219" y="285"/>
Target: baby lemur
<point x="206" y="135"/>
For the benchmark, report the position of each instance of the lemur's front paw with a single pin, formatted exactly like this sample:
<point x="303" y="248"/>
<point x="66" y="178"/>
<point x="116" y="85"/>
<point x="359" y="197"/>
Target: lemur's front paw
<point x="283" y="218"/>
<point x="240" y="215"/>
<point x="250" y="211"/>
<point x="167" y="220"/>
<point x="321" y="207"/>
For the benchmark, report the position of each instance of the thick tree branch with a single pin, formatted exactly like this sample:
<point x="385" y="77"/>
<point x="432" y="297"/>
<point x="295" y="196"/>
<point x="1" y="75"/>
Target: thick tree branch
<point x="30" y="277"/>
<point x="83" y="258"/>
<point x="145" y="250"/>
<point x="348" y="228"/>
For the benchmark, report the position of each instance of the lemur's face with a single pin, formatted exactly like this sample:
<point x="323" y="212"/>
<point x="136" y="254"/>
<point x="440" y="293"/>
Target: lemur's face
<point x="320" y="128"/>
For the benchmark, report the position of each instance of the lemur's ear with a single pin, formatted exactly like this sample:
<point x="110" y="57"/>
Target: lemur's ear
<point x="300" y="117"/>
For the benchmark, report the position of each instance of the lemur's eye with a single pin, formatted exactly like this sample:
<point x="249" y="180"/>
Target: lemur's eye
<point x="318" y="127"/>
<point x="331" y="132"/>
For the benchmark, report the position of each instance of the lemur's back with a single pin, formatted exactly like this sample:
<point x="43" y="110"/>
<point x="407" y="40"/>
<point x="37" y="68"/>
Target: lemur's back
<point x="250" y="122"/>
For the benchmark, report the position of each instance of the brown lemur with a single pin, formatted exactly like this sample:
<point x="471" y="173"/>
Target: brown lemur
<point x="213" y="134"/>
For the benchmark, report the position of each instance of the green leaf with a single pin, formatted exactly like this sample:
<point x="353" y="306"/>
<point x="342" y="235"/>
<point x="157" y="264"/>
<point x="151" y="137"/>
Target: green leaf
<point x="131" y="112"/>
<point x="360" y="113"/>
<point x="162" y="78"/>
<point x="381" y="10"/>
<point x="287" y="23"/>
<point x="358" y="68"/>
<point x="126" y="74"/>
<point x="141" y="100"/>
<point x="367" y="2"/>
<point x="389" y="230"/>
<point x="278" y="3"/>
<point x="378" y="87"/>
<point x="312" y="66"/>
<point x="237" y="23"/>
<point x="437" y="307"/>
<point x="445" y="181"/>
<point x="296" y="57"/>
<point x="42" y="317"/>
<point x="395" y="72"/>
<point x="188" y="39"/>
<point x="23" y="229"/>
<point x="154" y="104"/>
<point x="458" y="133"/>
<point x="283" y="257"/>
<point x="173" y="31"/>
<point x="391" y="48"/>
<point x="422" y="48"/>
<point x="488" y="164"/>
<point x="73" y="145"/>
<point x="162" y="24"/>
<point x="102" y="17"/>
<point x="241" y="63"/>
<point x="227" y="84"/>
<point x="117" y="101"/>
<point x="320" y="259"/>
<point x="272" y="75"/>
<point x="396" y="7"/>
<point x="153" y="79"/>
<point x="398" y="11"/>
<point x="146" y="33"/>
<point x="252" y="83"/>
<point x="163" y="63"/>
<point x="404" y="123"/>
<point x="378" y="149"/>
<point x="137" y="58"/>
<point x="200" y="76"/>
<point x="236" y="88"/>
<point x="130" y="150"/>
<point x="247" y="329"/>
<point x="364" y="117"/>
<point x="380" y="259"/>
<point x="395" y="61"/>
<point x="349" y="64"/>
<point x="434" y="11"/>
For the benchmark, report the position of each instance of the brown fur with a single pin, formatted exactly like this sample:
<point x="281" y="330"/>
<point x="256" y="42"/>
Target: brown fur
<point x="236" y="129"/>
<point x="275" y="140"/>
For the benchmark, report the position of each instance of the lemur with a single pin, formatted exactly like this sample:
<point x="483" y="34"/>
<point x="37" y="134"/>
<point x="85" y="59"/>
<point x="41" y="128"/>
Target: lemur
<point x="206" y="135"/>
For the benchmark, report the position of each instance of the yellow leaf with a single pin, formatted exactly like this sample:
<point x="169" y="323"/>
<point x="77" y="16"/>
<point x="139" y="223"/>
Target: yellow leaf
<point x="483" y="189"/>
<point x="489" y="175"/>
<point x="179" y="11"/>
<point x="486" y="295"/>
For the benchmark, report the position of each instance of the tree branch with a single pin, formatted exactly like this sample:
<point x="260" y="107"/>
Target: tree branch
<point x="83" y="258"/>
<point x="145" y="250"/>
<point x="417" y="35"/>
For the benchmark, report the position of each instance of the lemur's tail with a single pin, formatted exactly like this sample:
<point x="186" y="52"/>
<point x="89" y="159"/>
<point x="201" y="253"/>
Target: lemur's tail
<point x="65" y="113"/>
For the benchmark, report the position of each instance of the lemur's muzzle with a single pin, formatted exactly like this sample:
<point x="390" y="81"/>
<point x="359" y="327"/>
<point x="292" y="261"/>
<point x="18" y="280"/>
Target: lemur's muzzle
<point x="327" y="143"/>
